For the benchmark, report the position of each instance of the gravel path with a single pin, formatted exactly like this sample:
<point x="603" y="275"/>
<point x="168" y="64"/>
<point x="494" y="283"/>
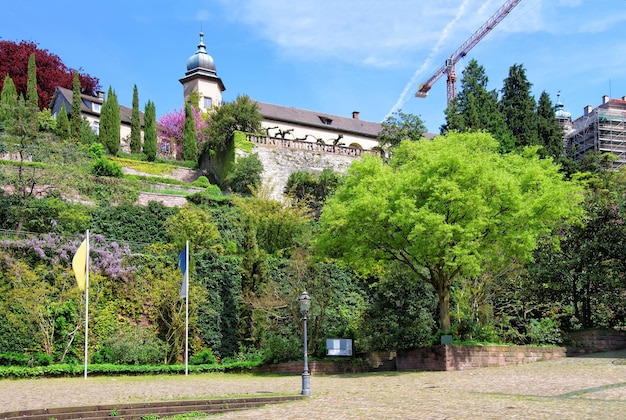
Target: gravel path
<point x="587" y="387"/>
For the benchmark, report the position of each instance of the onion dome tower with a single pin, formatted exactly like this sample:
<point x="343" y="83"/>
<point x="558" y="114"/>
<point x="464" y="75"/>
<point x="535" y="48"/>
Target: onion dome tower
<point x="202" y="78"/>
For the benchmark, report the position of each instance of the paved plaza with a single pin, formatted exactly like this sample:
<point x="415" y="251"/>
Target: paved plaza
<point x="586" y="387"/>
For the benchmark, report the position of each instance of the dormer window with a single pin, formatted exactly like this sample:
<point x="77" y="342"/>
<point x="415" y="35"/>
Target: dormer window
<point x="96" y="107"/>
<point x="325" y="120"/>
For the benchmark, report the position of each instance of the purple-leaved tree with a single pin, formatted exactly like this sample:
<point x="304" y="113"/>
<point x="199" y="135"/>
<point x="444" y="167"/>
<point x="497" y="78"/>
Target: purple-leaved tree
<point x="170" y="131"/>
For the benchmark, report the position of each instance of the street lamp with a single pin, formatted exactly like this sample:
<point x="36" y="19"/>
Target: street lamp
<point x="305" y="305"/>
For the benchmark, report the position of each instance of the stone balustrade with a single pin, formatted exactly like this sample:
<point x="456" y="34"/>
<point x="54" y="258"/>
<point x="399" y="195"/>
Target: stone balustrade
<point x="304" y="145"/>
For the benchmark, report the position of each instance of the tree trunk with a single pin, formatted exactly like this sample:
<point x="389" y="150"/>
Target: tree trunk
<point x="443" y="292"/>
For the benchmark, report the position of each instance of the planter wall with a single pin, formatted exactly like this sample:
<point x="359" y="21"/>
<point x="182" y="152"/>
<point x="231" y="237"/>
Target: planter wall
<point x="317" y="367"/>
<point x="450" y="357"/>
<point x="599" y="340"/>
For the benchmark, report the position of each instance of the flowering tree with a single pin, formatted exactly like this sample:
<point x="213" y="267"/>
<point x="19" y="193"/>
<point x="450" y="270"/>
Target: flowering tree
<point x="39" y="286"/>
<point x="170" y="129"/>
<point x="51" y="71"/>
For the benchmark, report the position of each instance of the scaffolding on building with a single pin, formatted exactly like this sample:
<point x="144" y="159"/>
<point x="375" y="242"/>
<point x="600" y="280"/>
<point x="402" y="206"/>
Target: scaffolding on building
<point x="601" y="130"/>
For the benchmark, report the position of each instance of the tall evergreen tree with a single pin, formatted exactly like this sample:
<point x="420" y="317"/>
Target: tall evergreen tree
<point x="190" y="138"/>
<point x="476" y="109"/>
<point x="549" y="131"/>
<point x="76" y="118"/>
<point x="32" y="97"/>
<point x="110" y="123"/>
<point x="518" y="107"/>
<point x="8" y="99"/>
<point x="63" y="124"/>
<point x="150" y="131"/>
<point x="135" y="124"/>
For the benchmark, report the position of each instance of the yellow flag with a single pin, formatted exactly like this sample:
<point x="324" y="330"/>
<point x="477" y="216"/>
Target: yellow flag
<point x="79" y="264"/>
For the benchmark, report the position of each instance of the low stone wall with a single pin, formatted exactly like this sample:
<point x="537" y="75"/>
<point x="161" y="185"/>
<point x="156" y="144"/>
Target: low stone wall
<point x="167" y="200"/>
<point x="316" y="367"/>
<point x="450" y="357"/>
<point x="599" y="340"/>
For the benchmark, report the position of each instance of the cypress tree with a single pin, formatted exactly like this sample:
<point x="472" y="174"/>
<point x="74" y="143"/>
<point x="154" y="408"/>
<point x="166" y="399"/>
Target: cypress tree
<point x="32" y="97"/>
<point x="549" y="131"/>
<point x="475" y="108"/>
<point x="110" y="123"/>
<point x="63" y="124"/>
<point x="150" y="131"/>
<point x="8" y="99"/>
<point x="190" y="141"/>
<point x="76" y="118"/>
<point x="518" y="107"/>
<point x="31" y="110"/>
<point x="135" y="124"/>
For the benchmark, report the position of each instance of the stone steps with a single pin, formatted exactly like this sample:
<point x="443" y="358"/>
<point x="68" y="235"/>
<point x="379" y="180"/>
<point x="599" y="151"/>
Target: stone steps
<point x="141" y="410"/>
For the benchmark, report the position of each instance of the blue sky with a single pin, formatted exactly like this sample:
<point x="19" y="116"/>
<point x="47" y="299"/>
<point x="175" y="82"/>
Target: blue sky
<point x="331" y="56"/>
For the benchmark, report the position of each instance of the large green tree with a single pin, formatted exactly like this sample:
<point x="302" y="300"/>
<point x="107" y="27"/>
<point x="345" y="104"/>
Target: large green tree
<point x="218" y="154"/>
<point x="150" y="131"/>
<point x="445" y="208"/>
<point x="476" y="109"/>
<point x="135" y="124"/>
<point x="518" y="107"/>
<point x="400" y="126"/>
<point x="548" y="130"/>
<point x="110" y="123"/>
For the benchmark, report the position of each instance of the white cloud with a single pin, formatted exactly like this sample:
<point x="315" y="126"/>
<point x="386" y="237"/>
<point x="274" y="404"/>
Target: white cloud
<point x="370" y="32"/>
<point x="400" y="33"/>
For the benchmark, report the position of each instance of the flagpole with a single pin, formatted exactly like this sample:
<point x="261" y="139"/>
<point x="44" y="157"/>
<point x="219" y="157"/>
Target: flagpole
<point x="187" y="308"/>
<point x="86" y="302"/>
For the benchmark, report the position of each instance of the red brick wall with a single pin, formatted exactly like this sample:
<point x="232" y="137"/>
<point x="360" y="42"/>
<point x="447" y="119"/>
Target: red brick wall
<point x="599" y="340"/>
<point x="449" y="357"/>
<point x="316" y="368"/>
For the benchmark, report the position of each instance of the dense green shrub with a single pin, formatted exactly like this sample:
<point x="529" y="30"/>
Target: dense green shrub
<point x="202" y="182"/>
<point x="41" y="359"/>
<point x="544" y="331"/>
<point x="51" y="214"/>
<point x="279" y="349"/>
<point x="132" y="345"/>
<point x="400" y="312"/>
<point x="13" y="359"/>
<point x="96" y="150"/>
<point x="130" y="222"/>
<point x="204" y="357"/>
<point x="246" y="174"/>
<point x="104" y="167"/>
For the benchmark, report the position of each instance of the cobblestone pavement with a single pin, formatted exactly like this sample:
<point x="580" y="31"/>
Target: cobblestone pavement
<point x="586" y="387"/>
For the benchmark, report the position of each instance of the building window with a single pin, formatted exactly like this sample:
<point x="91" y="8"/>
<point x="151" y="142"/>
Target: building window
<point x="96" y="127"/>
<point x="96" y="107"/>
<point x="325" y="120"/>
<point x="208" y="103"/>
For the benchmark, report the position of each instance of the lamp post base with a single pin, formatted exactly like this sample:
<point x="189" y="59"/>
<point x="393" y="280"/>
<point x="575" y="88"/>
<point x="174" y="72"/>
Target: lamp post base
<point x="306" y="384"/>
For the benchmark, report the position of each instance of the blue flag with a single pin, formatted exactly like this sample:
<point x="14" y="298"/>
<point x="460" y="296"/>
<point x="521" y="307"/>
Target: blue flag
<point x="182" y="261"/>
<point x="182" y="264"/>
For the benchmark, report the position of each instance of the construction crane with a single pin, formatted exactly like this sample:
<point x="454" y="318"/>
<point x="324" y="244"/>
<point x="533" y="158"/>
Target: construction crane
<point x="449" y="66"/>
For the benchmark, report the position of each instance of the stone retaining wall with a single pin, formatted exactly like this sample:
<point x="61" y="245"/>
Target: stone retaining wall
<point x="450" y="357"/>
<point x="316" y="368"/>
<point x="599" y="340"/>
<point x="167" y="200"/>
